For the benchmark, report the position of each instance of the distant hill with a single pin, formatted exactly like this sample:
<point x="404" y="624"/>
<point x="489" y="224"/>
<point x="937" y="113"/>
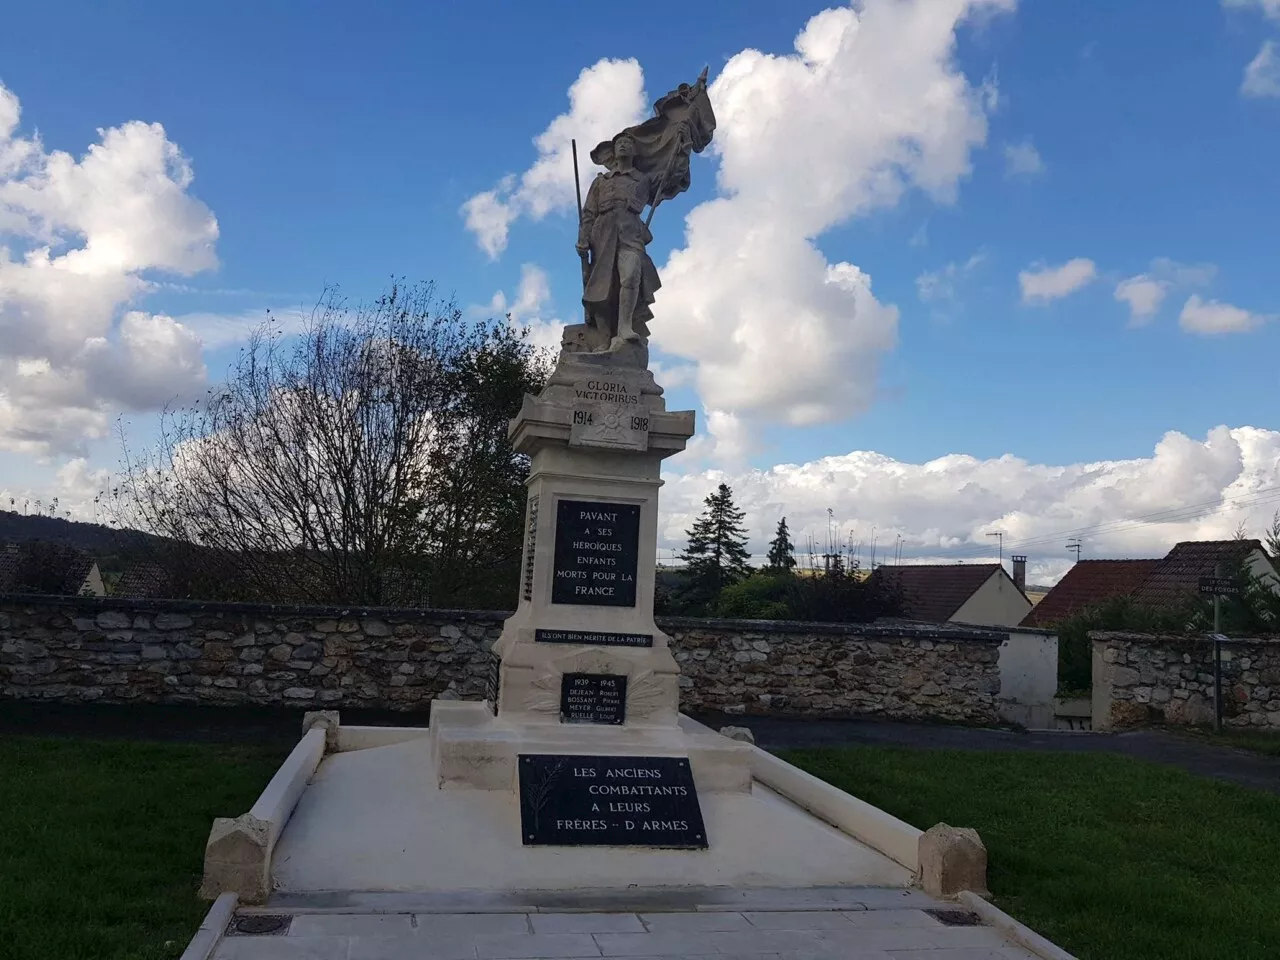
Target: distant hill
<point x="103" y="543"/>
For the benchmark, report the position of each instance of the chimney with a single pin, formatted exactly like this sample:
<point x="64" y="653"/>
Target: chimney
<point x="1020" y="571"/>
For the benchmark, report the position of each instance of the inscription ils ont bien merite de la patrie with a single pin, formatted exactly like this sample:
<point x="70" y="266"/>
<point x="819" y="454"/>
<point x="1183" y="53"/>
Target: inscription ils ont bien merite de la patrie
<point x="596" y="553"/>
<point x="609" y="801"/>
<point x="608" y="413"/>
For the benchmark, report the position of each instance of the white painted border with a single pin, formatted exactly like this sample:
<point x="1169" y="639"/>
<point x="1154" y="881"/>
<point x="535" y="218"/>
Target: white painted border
<point x="870" y="825"/>
<point x="1019" y="933"/>
<point x="211" y="929"/>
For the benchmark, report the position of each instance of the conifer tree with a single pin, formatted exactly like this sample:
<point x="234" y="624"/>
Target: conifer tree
<point x="716" y="555"/>
<point x="782" y="552"/>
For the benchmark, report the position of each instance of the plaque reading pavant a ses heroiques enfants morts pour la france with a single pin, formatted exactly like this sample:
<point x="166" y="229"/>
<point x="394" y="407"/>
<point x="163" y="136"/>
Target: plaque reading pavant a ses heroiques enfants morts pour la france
<point x="596" y="550"/>
<point x="609" y="801"/>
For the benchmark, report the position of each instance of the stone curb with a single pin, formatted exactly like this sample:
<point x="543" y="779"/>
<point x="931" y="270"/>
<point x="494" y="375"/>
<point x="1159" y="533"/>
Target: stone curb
<point x="211" y="929"/>
<point x="237" y="857"/>
<point x="883" y="832"/>
<point x="1019" y="933"/>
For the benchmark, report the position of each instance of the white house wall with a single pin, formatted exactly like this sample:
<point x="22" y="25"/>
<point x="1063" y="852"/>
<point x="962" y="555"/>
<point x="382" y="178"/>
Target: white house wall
<point x="998" y="603"/>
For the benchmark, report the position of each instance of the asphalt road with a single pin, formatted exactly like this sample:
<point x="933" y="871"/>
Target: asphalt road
<point x="281" y="726"/>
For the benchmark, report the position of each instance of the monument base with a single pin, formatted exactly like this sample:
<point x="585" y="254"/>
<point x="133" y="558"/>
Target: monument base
<point x="474" y="749"/>
<point x="376" y="817"/>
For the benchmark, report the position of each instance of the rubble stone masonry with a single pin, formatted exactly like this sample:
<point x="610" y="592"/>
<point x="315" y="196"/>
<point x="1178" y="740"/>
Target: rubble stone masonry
<point x="1143" y="678"/>
<point x="76" y="649"/>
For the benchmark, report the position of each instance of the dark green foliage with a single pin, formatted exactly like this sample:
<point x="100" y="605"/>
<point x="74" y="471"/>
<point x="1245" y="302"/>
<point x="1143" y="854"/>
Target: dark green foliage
<point x="762" y="596"/>
<point x="782" y="552"/>
<point x="716" y="555"/>
<point x="1075" y="650"/>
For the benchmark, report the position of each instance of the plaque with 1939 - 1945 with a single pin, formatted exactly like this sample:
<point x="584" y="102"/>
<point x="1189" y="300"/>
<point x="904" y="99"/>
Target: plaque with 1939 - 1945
<point x="609" y="801"/>
<point x="593" y="698"/>
<point x="596" y="553"/>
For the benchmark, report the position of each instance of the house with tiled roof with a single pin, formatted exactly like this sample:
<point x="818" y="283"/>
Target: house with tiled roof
<point x="1177" y="576"/>
<point x="1166" y="582"/>
<point x="978" y="593"/>
<point x="1087" y="584"/>
<point x="47" y="567"/>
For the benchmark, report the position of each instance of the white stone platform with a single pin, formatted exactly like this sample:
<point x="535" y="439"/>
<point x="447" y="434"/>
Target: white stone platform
<point x="375" y="819"/>
<point x="820" y="924"/>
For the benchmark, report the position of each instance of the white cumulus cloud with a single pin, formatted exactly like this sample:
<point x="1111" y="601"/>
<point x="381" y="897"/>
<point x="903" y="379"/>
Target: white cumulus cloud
<point x="1145" y="292"/>
<point x="943" y="509"/>
<point x="527" y="308"/>
<point x="1262" y="75"/>
<point x="1143" y="295"/>
<point x="1269" y="8"/>
<point x="606" y="97"/>
<point x="940" y="285"/>
<point x="871" y="105"/>
<point x="1022" y="160"/>
<point x="76" y="238"/>
<point x="1043" y="284"/>
<point x="1211" y="317"/>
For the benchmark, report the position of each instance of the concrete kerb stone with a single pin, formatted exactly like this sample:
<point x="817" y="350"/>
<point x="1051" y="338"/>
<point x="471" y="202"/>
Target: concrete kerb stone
<point x="327" y="720"/>
<point x="237" y="857"/>
<point x="952" y="860"/>
<point x="738" y="733"/>
<point x="896" y="839"/>
<point x="1019" y="933"/>
<point x="212" y="927"/>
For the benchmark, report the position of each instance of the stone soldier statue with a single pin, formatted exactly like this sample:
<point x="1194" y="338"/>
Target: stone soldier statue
<point x="646" y="164"/>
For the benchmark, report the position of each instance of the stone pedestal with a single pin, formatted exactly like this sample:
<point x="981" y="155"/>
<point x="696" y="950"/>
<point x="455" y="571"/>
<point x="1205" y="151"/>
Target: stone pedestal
<point x="584" y="669"/>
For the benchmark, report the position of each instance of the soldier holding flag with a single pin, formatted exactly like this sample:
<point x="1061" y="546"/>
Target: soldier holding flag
<point x="646" y="164"/>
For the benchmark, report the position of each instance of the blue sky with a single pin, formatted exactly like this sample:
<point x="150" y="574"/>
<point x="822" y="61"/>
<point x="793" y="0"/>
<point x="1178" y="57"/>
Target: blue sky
<point x="338" y="143"/>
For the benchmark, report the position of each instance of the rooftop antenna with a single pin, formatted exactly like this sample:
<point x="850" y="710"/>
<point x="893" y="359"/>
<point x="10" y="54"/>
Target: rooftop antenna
<point x="999" y="534"/>
<point x="1074" y="546"/>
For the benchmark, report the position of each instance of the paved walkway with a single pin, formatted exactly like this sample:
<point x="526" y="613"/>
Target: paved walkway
<point x="853" y="923"/>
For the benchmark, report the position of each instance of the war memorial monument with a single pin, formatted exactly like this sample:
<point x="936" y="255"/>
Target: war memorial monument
<point x="577" y="788"/>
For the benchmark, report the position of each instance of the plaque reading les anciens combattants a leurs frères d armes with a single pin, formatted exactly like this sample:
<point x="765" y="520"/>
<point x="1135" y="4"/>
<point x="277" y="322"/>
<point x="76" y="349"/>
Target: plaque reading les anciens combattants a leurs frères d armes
<point x="609" y="801"/>
<point x="597" y="546"/>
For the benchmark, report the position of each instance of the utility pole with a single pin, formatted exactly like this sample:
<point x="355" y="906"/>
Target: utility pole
<point x="1217" y="656"/>
<point x="1075" y="545"/>
<point x="999" y="535"/>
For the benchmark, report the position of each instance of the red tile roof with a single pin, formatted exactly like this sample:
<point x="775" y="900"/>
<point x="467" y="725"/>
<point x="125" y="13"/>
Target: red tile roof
<point x="933" y="591"/>
<point x="1179" y="573"/>
<point x="1086" y="584"/>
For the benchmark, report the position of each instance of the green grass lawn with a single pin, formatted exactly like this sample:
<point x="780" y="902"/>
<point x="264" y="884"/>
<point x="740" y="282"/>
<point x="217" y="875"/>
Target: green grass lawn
<point x="102" y="843"/>
<point x="1112" y="858"/>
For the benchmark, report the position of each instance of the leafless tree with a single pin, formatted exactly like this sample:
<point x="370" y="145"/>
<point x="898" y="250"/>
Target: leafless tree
<point x="364" y="460"/>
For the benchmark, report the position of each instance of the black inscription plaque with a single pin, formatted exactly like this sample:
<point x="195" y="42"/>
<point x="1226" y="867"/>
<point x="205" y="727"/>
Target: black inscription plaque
<point x="597" y="545"/>
<point x="609" y="801"/>
<point x="593" y="698"/>
<point x="594" y="638"/>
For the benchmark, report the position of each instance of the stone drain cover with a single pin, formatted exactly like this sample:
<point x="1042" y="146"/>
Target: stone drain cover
<point x="259" y="925"/>
<point x="956" y="918"/>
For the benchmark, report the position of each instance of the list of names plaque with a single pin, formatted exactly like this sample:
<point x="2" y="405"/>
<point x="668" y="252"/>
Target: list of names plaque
<point x="596" y="552"/>
<point x="593" y="698"/>
<point x="609" y="801"/>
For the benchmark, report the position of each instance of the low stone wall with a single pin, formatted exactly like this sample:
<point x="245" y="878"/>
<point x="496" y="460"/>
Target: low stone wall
<point x="112" y="650"/>
<point x="762" y="667"/>
<point x="1142" y="678"/>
